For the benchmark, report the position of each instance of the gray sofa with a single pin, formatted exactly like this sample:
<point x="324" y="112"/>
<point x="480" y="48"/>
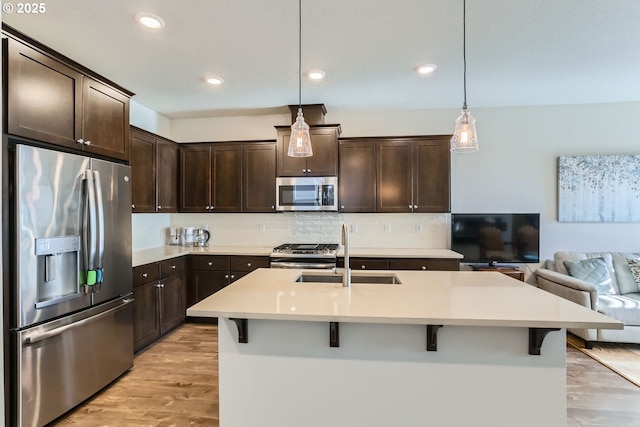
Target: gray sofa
<point x="618" y="298"/>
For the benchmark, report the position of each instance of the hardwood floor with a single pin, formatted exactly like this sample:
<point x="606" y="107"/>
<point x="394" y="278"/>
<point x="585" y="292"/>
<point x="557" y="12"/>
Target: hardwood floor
<point x="175" y="383"/>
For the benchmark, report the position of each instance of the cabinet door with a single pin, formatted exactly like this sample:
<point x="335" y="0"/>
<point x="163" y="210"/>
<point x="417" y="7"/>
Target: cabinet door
<point x="143" y="172"/>
<point x="357" y="179"/>
<point x="44" y="100"/>
<point x="289" y="166"/>
<point x="226" y="178"/>
<point x="195" y="187"/>
<point x="259" y="178"/>
<point x="324" y="161"/>
<point x="105" y="120"/>
<point x="393" y="179"/>
<point x="172" y="302"/>
<point x="432" y="166"/>
<point x="166" y="176"/>
<point x="206" y="283"/>
<point x="146" y="327"/>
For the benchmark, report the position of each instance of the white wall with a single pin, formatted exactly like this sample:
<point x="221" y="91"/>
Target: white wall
<point x="514" y="171"/>
<point x="149" y="120"/>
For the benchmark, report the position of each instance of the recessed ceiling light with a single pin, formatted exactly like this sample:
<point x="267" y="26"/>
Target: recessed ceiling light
<point x="214" y="80"/>
<point x="149" y="20"/>
<point x="316" y="74"/>
<point x="426" y="68"/>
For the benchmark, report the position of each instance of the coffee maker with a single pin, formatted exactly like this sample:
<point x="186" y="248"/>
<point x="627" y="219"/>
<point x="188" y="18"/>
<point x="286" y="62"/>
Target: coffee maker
<point x="201" y="237"/>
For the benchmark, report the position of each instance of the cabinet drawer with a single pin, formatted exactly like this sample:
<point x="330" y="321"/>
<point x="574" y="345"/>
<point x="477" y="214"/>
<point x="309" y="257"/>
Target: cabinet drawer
<point x="171" y="266"/>
<point x="145" y="273"/>
<point x="424" y="264"/>
<point x="366" y="263"/>
<point x="210" y="262"/>
<point x="248" y="263"/>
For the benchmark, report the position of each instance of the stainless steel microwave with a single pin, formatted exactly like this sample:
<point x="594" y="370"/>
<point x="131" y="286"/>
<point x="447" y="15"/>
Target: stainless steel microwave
<point x="307" y="193"/>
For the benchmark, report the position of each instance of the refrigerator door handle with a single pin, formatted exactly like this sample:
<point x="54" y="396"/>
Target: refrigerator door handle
<point x="32" y="339"/>
<point x="89" y="230"/>
<point x="99" y="226"/>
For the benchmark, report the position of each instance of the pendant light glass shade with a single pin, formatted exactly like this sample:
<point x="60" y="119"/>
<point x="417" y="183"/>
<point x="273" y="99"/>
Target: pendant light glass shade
<point x="464" y="138"/>
<point x="300" y="142"/>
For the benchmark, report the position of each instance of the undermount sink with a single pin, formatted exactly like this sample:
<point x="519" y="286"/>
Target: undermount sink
<point x="385" y="279"/>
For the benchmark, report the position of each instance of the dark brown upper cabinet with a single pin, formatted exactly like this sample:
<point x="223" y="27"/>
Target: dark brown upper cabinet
<point x="227" y="177"/>
<point x="413" y="174"/>
<point x="324" y="162"/>
<point x="154" y="165"/>
<point x="357" y="178"/>
<point x="395" y="174"/>
<point x="52" y="101"/>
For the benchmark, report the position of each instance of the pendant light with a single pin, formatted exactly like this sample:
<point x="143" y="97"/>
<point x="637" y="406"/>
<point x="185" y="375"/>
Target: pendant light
<point x="300" y="142"/>
<point x="464" y="139"/>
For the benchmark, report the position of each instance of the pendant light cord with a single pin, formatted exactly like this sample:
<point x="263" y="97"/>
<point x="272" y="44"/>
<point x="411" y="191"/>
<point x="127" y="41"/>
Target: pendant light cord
<point x="299" y="53"/>
<point x="464" y="50"/>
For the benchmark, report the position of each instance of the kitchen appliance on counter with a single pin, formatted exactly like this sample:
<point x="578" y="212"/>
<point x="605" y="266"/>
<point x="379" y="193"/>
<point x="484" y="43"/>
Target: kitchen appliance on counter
<point x="201" y="237"/>
<point x="305" y="255"/>
<point x="70" y="280"/>
<point x="307" y="194"/>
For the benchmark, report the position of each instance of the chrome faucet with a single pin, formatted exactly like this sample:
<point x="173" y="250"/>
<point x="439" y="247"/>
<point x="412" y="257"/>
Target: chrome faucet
<point x="346" y="272"/>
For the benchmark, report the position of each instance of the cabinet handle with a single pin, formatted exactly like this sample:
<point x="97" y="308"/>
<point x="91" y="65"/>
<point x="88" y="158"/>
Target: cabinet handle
<point x="159" y="285"/>
<point x="341" y="206"/>
<point x="80" y="141"/>
<point x="273" y="207"/>
<point x="409" y="206"/>
<point x="248" y="264"/>
<point x="87" y="143"/>
<point x="363" y="267"/>
<point x="424" y="267"/>
<point x="133" y="206"/>
<point x="206" y="207"/>
<point x="308" y="170"/>
<point x="233" y="276"/>
<point x="144" y="274"/>
<point x="159" y="208"/>
<point x="304" y="171"/>
<point x="226" y="276"/>
<point x="415" y="206"/>
<point x="209" y="263"/>
<point x="173" y="267"/>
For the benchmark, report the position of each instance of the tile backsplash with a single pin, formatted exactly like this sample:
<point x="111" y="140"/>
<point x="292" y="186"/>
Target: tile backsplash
<point x="403" y="230"/>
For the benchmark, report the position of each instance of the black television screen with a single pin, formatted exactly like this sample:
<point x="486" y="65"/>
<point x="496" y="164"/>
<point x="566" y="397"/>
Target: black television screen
<point x="496" y="238"/>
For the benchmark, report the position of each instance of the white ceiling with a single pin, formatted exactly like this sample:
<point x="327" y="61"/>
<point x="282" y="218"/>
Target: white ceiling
<point x="524" y="52"/>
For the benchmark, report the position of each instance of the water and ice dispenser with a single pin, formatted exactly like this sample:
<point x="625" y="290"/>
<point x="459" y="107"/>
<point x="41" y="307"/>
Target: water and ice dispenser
<point x="58" y="260"/>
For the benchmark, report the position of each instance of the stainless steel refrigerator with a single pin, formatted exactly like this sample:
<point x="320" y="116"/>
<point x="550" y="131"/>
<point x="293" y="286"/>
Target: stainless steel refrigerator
<point x="71" y="327"/>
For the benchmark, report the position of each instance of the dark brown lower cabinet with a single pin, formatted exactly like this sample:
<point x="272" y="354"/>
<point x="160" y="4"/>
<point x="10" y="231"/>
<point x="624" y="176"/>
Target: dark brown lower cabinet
<point x="210" y="273"/>
<point x="438" y="264"/>
<point x="159" y="290"/>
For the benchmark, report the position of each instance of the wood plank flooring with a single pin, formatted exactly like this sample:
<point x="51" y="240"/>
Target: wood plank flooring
<point x="175" y="383"/>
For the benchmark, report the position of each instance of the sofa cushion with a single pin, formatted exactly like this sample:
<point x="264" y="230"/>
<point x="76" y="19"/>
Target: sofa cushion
<point x="560" y="257"/>
<point x="592" y="270"/>
<point x="626" y="281"/>
<point x="634" y="268"/>
<point x="625" y="308"/>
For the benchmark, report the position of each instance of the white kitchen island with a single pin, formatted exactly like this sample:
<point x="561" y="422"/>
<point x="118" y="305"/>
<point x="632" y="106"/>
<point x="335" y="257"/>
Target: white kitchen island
<point x="321" y="355"/>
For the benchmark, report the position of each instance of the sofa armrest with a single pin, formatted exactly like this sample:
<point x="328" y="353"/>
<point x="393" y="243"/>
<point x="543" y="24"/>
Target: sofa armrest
<point x="568" y="287"/>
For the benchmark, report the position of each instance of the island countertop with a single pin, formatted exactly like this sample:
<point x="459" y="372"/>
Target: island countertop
<point x="463" y="298"/>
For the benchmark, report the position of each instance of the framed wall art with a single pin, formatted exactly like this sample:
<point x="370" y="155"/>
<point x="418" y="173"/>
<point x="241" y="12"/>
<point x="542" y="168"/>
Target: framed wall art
<point x="599" y="188"/>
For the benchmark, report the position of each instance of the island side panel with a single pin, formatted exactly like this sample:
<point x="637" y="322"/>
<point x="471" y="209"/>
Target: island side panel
<point x="381" y="375"/>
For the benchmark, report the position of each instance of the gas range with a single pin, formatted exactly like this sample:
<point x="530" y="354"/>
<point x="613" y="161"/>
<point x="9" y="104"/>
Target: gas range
<point x="305" y="255"/>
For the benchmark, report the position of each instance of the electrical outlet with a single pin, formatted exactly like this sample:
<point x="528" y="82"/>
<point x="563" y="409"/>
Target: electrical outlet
<point x="419" y="228"/>
<point x="353" y="228"/>
<point x="387" y="228"/>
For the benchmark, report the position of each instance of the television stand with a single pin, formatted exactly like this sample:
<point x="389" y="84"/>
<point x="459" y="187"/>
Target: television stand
<point x="514" y="272"/>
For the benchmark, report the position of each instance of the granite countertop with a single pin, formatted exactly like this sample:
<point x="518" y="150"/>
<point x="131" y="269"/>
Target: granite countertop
<point x="463" y="298"/>
<point x="161" y="253"/>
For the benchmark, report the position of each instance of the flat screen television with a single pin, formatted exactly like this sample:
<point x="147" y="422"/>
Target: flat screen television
<point x="499" y="238"/>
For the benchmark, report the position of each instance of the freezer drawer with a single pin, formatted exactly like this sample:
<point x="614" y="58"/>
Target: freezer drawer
<point x="66" y="361"/>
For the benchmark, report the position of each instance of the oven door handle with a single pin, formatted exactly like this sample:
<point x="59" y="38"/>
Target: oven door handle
<point x="278" y="264"/>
